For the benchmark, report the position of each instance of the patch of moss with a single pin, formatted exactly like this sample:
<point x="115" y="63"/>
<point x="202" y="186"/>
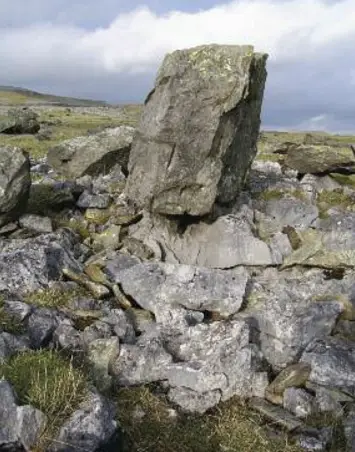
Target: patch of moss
<point x="76" y="225"/>
<point x="274" y="193"/>
<point x="334" y="198"/>
<point x="49" y="382"/>
<point x="344" y="179"/>
<point x="229" y="427"/>
<point x="54" y="298"/>
<point x="44" y="199"/>
<point x="8" y="322"/>
<point x="269" y="157"/>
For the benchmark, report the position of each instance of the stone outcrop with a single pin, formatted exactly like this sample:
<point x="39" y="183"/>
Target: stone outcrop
<point x="15" y="181"/>
<point x="197" y="135"/>
<point x="94" y="154"/>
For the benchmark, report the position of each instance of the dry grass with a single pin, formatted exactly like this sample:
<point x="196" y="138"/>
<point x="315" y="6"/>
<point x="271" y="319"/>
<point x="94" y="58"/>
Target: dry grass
<point x="230" y="427"/>
<point x="50" y="383"/>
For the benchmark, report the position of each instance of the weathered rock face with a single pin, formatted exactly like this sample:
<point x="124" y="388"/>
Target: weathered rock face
<point x="197" y="136"/>
<point x="93" y="155"/>
<point x="15" y="182"/>
<point x="20" y="121"/>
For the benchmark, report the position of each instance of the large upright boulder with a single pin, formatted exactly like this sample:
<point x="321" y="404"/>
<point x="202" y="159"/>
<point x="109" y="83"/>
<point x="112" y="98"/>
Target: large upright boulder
<point x="15" y="182"/>
<point x="94" y="154"/>
<point x="198" y="131"/>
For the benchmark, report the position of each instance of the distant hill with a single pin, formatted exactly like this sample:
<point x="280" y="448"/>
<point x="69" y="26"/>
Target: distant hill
<point x="13" y="95"/>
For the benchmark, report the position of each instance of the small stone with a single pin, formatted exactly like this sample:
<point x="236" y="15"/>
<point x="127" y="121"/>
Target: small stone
<point x="299" y="402"/>
<point x="100" y="353"/>
<point x="293" y="376"/>
<point x="36" y="223"/>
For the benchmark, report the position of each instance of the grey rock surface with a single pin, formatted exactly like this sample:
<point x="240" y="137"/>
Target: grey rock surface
<point x="90" y="427"/>
<point x="27" y="265"/>
<point x="20" y="426"/>
<point x="227" y="242"/>
<point x="93" y="155"/>
<point x="162" y="288"/>
<point x="15" y="181"/>
<point x="198" y="130"/>
<point x="20" y="121"/>
<point x="333" y="363"/>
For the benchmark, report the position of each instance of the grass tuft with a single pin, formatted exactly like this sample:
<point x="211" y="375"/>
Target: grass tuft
<point x="49" y="382"/>
<point x="230" y="427"/>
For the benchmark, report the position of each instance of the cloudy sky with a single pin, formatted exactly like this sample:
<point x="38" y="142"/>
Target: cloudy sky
<point x="111" y="49"/>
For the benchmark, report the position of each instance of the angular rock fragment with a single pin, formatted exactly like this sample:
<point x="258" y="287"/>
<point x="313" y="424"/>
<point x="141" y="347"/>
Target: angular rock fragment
<point x="333" y="363"/>
<point x="27" y="265"/>
<point x="93" y="154"/>
<point x="20" y="426"/>
<point x="198" y="132"/>
<point x="88" y="428"/>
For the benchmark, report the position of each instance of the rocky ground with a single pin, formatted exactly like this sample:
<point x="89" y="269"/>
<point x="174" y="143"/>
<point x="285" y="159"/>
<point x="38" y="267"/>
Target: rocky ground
<point x="127" y="327"/>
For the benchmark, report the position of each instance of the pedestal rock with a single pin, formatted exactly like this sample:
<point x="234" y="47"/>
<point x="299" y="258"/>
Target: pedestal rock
<point x="197" y="136"/>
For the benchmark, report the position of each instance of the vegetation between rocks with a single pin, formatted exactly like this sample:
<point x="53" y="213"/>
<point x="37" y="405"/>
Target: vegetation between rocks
<point x="49" y="382"/>
<point x="152" y="425"/>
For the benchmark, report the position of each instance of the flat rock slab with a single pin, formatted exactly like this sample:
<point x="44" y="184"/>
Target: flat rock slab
<point x="162" y="288"/>
<point x="276" y="414"/>
<point x="198" y="131"/>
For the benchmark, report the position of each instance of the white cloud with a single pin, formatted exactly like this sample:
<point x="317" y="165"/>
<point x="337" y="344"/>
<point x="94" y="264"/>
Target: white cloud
<point x="296" y="33"/>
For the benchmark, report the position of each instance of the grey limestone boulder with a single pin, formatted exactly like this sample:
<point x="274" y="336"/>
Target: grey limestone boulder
<point x="93" y="155"/>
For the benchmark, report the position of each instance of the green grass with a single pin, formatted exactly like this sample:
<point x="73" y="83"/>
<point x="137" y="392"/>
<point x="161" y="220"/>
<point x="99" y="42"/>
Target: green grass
<point x="230" y="427"/>
<point x="274" y="193"/>
<point x="49" y="382"/>
<point x="334" y="198"/>
<point x="68" y="126"/>
<point x="54" y="298"/>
